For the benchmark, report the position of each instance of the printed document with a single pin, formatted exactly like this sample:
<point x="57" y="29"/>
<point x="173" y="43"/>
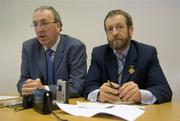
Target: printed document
<point x="89" y="109"/>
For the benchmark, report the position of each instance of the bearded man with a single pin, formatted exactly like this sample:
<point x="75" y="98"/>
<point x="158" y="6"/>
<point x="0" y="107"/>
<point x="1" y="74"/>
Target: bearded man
<point x="125" y="70"/>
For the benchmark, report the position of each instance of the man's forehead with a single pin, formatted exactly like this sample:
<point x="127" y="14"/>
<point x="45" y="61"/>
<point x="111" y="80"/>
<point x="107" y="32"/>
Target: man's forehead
<point x="40" y="20"/>
<point x="42" y="15"/>
<point x="115" y="19"/>
<point x="42" y="11"/>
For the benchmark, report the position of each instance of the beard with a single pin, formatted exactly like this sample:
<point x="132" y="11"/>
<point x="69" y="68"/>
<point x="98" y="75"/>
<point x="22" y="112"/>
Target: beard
<point x="119" y="44"/>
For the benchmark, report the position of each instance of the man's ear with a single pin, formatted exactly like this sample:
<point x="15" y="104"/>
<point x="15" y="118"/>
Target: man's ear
<point x="59" y="26"/>
<point x="131" y="30"/>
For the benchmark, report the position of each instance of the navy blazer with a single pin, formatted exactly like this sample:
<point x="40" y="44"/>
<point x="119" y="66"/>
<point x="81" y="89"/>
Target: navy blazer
<point x="69" y="64"/>
<point x="141" y="66"/>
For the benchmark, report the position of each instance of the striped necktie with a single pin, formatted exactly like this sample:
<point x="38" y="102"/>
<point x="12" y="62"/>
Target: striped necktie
<point x="121" y="61"/>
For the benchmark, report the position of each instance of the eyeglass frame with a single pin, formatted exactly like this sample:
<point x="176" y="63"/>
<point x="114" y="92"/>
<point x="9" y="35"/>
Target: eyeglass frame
<point x="42" y="24"/>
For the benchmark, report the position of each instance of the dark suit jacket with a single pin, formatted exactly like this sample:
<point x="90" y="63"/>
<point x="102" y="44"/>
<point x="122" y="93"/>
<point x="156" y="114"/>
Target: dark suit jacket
<point x="141" y="58"/>
<point x="69" y="64"/>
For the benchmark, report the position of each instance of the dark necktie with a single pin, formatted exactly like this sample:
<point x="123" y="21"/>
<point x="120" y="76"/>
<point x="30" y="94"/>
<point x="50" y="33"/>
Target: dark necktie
<point x="49" y="66"/>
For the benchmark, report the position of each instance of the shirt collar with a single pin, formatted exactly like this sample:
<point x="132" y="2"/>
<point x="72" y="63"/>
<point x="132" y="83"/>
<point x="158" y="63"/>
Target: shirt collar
<point x="123" y="53"/>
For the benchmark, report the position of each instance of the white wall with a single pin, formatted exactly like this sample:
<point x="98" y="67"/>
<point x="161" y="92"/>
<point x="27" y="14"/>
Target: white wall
<point x="156" y="22"/>
<point x="0" y="46"/>
<point x="176" y="84"/>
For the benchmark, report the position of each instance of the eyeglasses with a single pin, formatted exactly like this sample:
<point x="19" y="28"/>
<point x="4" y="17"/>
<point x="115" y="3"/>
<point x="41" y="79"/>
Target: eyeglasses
<point x="118" y="28"/>
<point x="43" y="25"/>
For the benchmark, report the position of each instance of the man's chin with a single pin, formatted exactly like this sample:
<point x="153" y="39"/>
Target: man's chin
<point x="119" y="47"/>
<point x="42" y="41"/>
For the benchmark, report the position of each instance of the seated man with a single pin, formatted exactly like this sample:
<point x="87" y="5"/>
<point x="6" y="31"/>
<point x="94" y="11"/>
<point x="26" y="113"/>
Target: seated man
<point x="124" y="69"/>
<point x="51" y="56"/>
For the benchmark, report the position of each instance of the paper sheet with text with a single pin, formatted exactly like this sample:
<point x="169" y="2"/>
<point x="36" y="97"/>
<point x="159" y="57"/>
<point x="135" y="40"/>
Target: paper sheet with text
<point x="89" y="109"/>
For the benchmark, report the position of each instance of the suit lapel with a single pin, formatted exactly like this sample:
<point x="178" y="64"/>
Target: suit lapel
<point x="130" y="64"/>
<point x="40" y="58"/>
<point x="59" y="54"/>
<point x="111" y="65"/>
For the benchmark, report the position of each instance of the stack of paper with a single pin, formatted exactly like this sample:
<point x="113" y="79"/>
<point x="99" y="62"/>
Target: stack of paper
<point x="89" y="109"/>
<point x="6" y="101"/>
<point x="7" y="97"/>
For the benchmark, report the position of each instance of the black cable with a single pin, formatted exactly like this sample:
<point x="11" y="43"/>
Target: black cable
<point x="57" y="117"/>
<point x="50" y="108"/>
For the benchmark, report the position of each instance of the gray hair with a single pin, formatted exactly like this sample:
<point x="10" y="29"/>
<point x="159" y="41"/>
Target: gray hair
<point x="57" y="18"/>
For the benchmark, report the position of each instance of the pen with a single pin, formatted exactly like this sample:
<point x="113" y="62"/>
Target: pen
<point x="111" y="85"/>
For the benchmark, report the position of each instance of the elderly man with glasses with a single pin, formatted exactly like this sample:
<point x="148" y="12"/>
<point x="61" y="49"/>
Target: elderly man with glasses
<point x="51" y="56"/>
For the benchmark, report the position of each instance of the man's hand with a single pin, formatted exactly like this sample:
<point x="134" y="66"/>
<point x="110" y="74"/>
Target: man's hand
<point x="109" y="94"/>
<point x="31" y="85"/>
<point x="129" y="92"/>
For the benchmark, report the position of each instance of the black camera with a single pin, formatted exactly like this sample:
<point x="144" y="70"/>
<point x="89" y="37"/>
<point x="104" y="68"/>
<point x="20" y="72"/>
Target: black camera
<point x="27" y="101"/>
<point x="40" y="100"/>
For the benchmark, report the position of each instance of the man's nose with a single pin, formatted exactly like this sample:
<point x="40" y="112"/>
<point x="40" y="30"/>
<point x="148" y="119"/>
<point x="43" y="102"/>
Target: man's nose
<point x="115" y="32"/>
<point x="39" y="28"/>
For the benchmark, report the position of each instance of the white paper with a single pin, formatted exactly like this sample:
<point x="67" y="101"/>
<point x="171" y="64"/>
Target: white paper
<point x="95" y="105"/>
<point x="127" y="112"/>
<point x="8" y="97"/>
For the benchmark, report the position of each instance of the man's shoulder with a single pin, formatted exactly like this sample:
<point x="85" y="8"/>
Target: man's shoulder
<point x="101" y="48"/>
<point x="101" y="51"/>
<point x="69" y="40"/>
<point x="144" y="51"/>
<point x="31" y="45"/>
<point x="142" y="46"/>
<point x="30" y="41"/>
